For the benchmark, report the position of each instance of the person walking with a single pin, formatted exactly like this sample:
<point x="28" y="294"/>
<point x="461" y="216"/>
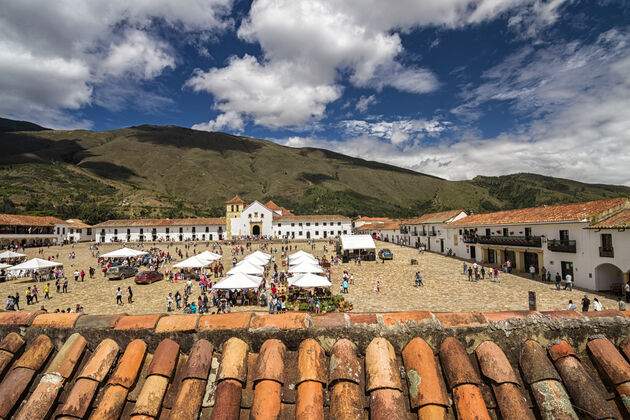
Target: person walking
<point x="64" y="289"/>
<point x="586" y="302"/>
<point x="496" y="274"/>
<point x="483" y="273"/>
<point x="378" y="287"/>
<point x="621" y="304"/>
<point x="169" y="302"/>
<point x="470" y="274"/>
<point x="569" y="279"/>
<point x="345" y="286"/>
<point x="558" y="281"/>
<point x="47" y="291"/>
<point x="419" y="279"/>
<point x="119" y="297"/>
<point x="129" y="295"/>
<point x="16" y="301"/>
<point x="532" y="271"/>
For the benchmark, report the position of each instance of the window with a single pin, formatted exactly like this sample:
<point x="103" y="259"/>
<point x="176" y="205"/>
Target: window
<point x="262" y="215"/>
<point x="332" y="232"/>
<point x="316" y="224"/>
<point x="141" y="231"/>
<point x="488" y="233"/>
<point x="194" y="229"/>
<point x="279" y="224"/>
<point x="255" y="214"/>
<point x="324" y="223"/>
<point x="308" y="224"/>
<point x="345" y="232"/>
<point x="528" y="232"/>
<point x="207" y="229"/>
<point x="232" y="207"/>
<point x="181" y="230"/>
<point x="292" y="224"/>
<point x="607" y="244"/>
<point x="128" y="231"/>
<point x="460" y="231"/>
<point x="89" y="231"/>
<point x="317" y="232"/>
<point x="249" y="215"/>
<point x="338" y="223"/>
<point x="506" y="232"/>
<point x="338" y="233"/>
<point x="564" y="235"/>
<point x="167" y="230"/>
<point x="492" y="256"/>
<point x="115" y="231"/>
<point x="300" y="233"/>
<point x="300" y="224"/>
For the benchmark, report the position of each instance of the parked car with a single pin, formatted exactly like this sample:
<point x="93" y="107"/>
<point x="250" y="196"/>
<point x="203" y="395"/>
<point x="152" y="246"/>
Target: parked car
<point x="385" y="254"/>
<point x="118" y="272"/>
<point x="148" y="277"/>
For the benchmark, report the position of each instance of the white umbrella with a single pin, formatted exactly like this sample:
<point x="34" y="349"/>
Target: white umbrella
<point x="124" y="253"/>
<point x="3" y="266"/>
<point x="35" y="264"/>
<point x="10" y="254"/>
<point x="238" y="281"/>
<point x="306" y="268"/>
<point x="309" y="280"/>
<point x="246" y="268"/>
<point x="210" y="256"/>
<point x="261" y="254"/>
<point x="192" y="262"/>
<point x="303" y="259"/>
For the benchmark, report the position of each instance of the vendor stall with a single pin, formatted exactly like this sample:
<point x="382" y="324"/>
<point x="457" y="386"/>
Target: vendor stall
<point x="356" y="246"/>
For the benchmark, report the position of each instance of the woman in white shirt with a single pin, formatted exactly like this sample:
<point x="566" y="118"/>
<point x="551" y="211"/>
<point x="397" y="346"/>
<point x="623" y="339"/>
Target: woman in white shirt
<point x="597" y="306"/>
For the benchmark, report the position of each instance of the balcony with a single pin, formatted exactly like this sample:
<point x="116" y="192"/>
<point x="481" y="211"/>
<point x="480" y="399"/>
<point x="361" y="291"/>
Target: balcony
<point x="469" y="239"/>
<point x="423" y="233"/>
<point x="404" y="231"/>
<point x="432" y="233"/>
<point x="606" y="252"/>
<point x="557" y="245"/>
<point x="531" y="241"/>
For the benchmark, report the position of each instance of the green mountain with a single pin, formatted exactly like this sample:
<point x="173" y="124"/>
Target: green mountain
<point x="151" y="171"/>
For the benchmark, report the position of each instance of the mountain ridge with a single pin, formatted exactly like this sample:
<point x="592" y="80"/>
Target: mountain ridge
<point x="170" y="171"/>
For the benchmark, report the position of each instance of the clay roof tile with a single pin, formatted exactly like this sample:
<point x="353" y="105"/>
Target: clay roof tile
<point x="78" y="402"/>
<point x="68" y="356"/>
<point x="189" y="400"/>
<point x="12" y="388"/>
<point x="380" y="366"/>
<point x="111" y="404"/>
<point x="387" y="403"/>
<point x="129" y="364"/>
<point x="12" y="343"/>
<point x="456" y="365"/>
<point x="494" y="364"/>
<point x="311" y="362"/>
<point x="270" y="365"/>
<point x="535" y="364"/>
<point x="426" y="385"/>
<point x="561" y="350"/>
<point x="469" y="403"/>
<point x="41" y="401"/>
<point x="234" y="361"/>
<point x="267" y="400"/>
<point x="227" y="400"/>
<point x="511" y="402"/>
<point x="199" y="362"/>
<point x="164" y="358"/>
<point x="310" y="401"/>
<point x="101" y="361"/>
<point x="36" y="354"/>
<point x="610" y="360"/>
<point x="344" y="363"/>
<point x="151" y="396"/>
<point x="346" y="401"/>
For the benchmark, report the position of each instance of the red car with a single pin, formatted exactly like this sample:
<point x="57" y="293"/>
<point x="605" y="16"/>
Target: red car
<point x="148" y="277"/>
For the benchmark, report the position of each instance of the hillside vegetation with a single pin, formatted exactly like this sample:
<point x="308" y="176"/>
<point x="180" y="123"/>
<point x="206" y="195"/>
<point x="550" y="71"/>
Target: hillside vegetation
<point x="151" y="171"/>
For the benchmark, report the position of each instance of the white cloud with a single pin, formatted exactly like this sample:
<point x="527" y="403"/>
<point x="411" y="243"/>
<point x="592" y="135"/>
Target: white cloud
<point x="226" y="121"/>
<point x="54" y="56"/>
<point x="364" y="102"/>
<point x="581" y="93"/>
<point x="397" y="132"/>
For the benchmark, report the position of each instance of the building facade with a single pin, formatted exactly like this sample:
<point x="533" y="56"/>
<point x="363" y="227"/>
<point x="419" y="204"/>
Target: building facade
<point x="31" y="230"/>
<point x="430" y="230"/>
<point x="172" y="230"/>
<point x="77" y="231"/>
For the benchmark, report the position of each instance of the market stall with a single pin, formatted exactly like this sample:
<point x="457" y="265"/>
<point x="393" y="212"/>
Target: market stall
<point x="356" y="246"/>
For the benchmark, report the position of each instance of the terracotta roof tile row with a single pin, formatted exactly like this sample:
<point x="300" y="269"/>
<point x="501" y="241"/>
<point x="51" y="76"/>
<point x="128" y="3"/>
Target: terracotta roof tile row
<point x="546" y="214"/>
<point x="23" y="220"/>
<point x="290" y="375"/>
<point x="312" y="217"/>
<point x="373" y="219"/>
<point x="620" y="220"/>
<point x="368" y="227"/>
<point x="440" y="217"/>
<point x="198" y="221"/>
<point x="77" y="224"/>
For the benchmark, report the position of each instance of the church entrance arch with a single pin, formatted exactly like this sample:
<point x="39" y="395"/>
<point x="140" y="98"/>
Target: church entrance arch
<point x="256" y="230"/>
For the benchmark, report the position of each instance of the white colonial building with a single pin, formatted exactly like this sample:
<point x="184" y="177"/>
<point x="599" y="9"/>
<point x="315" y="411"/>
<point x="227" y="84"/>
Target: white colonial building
<point x="139" y="230"/>
<point x="77" y="231"/>
<point x="430" y="230"/>
<point x="272" y="221"/>
<point x="586" y="240"/>
<point x="31" y="230"/>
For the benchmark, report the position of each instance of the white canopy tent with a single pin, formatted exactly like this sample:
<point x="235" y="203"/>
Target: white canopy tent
<point x="10" y="254"/>
<point x="352" y="242"/>
<point x="124" y="253"/>
<point x="35" y="264"/>
<point x="255" y="259"/>
<point x="238" y="281"/>
<point x="299" y="253"/>
<point x="246" y="268"/>
<point x="303" y="259"/>
<point x="261" y="254"/>
<point x="306" y="268"/>
<point x="309" y="280"/>
<point x="210" y="256"/>
<point x="3" y="266"/>
<point x="252" y="261"/>
<point x="193" y="262"/>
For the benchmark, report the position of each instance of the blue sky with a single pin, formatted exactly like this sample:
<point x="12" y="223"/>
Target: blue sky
<point x="452" y="88"/>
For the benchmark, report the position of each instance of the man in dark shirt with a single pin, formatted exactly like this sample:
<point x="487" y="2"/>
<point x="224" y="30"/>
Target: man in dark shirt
<point x="586" y="302"/>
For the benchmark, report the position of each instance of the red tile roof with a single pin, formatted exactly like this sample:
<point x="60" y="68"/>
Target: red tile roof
<point x="547" y="214"/>
<point x="620" y="220"/>
<point x="273" y="206"/>
<point x="199" y="221"/>
<point x="441" y="217"/>
<point x="273" y="370"/>
<point x="23" y="220"/>
<point x="379" y="226"/>
<point x="77" y="224"/>
<point x="236" y="200"/>
<point x="312" y="218"/>
<point x="373" y="219"/>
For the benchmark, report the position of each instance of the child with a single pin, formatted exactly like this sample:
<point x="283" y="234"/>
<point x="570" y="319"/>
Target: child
<point x="378" y="287"/>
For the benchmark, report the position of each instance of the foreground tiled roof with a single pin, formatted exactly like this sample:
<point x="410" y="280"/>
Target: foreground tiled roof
<point x="312" y="218"/>
<point x="509" y="365"/>
<point x="23" y="220"/>
<point x="441" y="217"/>
<point x="562" y="213"/>
<point x="620" y="220"/>
<point x="199" y="221"/>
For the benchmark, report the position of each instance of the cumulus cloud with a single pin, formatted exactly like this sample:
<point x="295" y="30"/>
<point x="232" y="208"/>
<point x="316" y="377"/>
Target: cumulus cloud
<point x="397" y="132"/>
<point x="54" y="56"/>
<point x="364" y="102"/>
<point x="579" y="92"/>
